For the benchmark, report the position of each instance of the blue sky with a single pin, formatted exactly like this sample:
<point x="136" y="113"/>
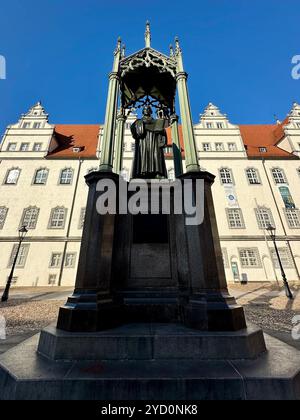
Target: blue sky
<point x="238" y="54"/>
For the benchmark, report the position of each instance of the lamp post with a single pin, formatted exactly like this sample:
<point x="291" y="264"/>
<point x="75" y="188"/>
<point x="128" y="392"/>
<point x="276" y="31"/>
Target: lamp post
<point x="22" y="233"/>
<point x="272" y="233"/>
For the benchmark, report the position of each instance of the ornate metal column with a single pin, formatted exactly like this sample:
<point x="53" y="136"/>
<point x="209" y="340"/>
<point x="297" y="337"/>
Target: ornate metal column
<point x="121" y="119"/>
<point x="176" y="146"/>
<point x="191" y="156"/>
<point x="107" y="147"/>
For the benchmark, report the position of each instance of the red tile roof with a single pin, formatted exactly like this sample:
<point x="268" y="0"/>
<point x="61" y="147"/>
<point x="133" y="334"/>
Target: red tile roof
<point x="70" y="136"/>
<point x="268" y="136"/>
<point x="86" y="136"/>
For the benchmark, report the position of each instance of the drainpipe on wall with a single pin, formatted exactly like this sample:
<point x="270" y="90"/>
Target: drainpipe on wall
<point x="80" y="161"/>
<point x="281" y="220"/>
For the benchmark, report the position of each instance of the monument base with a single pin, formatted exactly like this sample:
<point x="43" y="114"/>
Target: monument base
<point x="143" y="372"/>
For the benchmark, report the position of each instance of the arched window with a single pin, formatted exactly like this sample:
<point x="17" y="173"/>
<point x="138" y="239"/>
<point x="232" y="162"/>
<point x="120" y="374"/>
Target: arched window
<point x="66" y="176"/>
<point x="278" y="176"/>
<point x="40" y="177"/>
<point x="226" y="176"/>
<point x="30" y="217"/>
<point x="253" y="177"/>
<point x="12" y="176"/>
<point x="58" y="218"/>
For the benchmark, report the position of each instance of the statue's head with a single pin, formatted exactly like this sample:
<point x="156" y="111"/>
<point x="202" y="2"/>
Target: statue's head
<point x="147" y="111"/>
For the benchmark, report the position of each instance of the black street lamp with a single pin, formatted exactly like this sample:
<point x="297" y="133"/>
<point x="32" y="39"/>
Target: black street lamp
<point x="22" y="234"/>
<point x="272" y="232"/>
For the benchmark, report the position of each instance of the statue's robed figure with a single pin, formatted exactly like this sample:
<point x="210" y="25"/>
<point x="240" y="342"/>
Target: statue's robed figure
<point x="150" y="139"/>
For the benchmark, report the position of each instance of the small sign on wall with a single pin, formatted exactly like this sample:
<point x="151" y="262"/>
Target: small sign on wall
<point x="231" y="196"/>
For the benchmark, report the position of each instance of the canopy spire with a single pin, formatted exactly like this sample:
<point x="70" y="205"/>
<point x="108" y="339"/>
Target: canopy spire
<point x="148" y="35"/>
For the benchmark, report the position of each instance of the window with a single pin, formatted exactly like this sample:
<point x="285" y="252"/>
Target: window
<point x="24" y="147"/>
<point x="40" y="177"/>
<point x="249" y="258"/>
<point x="58" y="218"/>
<point x="66" y="176"/>
<point x="225" y="257"/>
<point x="219" y="147"/>
<point x="235" y="219"/>
<point x="285" y="257"/>
<point x="82" y="217"/>
<point x="52" y="280"/>
<point x="220" y="125"/>
<point x="26" y="125"/>
<point x="168" y="150"/>
<point x="263" y="150"/>
<point x="232" y="147"/>
<point x="206" y="147"/>
<point x="209" y="125"/>
<point x="70" y="260"/>
<point x="37" y="147"/>
<point x="264" y="217"/>
<point x="278" y="176"/>
<point x="226" y="176"/>
<point x="171" y="174"/>
<point x="293" y="218"/>
<point x="22" y="256"/>
<point x="12" y="176"/>
<point x="30" y="217"/>
<point x="36" y="125"/>
<point x="3" y="214"/>
<point x="55" y="260"/>
<point x="12" y="147"/>
<point x="253" y="177"/>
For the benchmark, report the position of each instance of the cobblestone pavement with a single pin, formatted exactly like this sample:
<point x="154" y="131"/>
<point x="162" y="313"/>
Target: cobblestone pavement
<point x="31" y="309"/>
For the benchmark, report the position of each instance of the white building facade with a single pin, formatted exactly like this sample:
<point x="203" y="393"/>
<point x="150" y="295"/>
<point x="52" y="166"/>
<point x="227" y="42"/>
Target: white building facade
<point x="42" y="186"/>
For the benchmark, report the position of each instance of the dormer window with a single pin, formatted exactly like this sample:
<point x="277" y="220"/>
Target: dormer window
<point x="263" y="150"/>
<point x="78" y="149"/>
<point x="26" y="125"/>
<point x="220" y="125"/>
<point x="37" y="147"/>
<point x="209" y="125"/>
<point x="37" y="125"/>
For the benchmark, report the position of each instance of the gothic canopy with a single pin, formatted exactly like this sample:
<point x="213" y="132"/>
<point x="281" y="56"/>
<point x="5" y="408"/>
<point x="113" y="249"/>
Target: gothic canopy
<point x="148" y="73"/>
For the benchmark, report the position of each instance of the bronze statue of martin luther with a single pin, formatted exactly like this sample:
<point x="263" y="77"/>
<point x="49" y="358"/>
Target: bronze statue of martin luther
<point x="150" y="139"/>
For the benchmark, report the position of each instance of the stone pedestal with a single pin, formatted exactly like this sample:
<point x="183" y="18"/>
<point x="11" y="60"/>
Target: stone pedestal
<point x="150" y="268"/>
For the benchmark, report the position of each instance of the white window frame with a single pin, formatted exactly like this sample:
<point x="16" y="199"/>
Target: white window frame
<point x="55" y="260"/>
<point x="278" y="175"/>
<point x="37" y="147"/>
<point x="253" y="174"/>
<point x="285" y="257"/>
<point x="66" y="176"/>
<point x="262" y="221"/>
<point x="226" y="176"/>
<point x="235" y="218"/>
<point x="73" y="261"/>
<point x="12" y="147"/>
<point x="219" y="147"/>
<point x="52" y="279"/>
<point x="206" y="147"/>
<point x="43" y="177"/>
<point x="3" y="216"/>
<point x="232" y="147"/>
<point x="82" y="218"/>
<point x="30" y="217"/>
<point x="16" y="178"/>
<point x="249" y="258"/>
<point x="292" y="218"/>
<point x="24" y="147"/>
<point x="58" y="218"/>
<point x="22" y="257"/>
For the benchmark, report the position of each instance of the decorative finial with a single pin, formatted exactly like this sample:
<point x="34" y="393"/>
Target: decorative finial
<point x="171" y="51"/>
<point x="177" y="45"/>
<point x="148" y="35"/>
<point x="123" y="50"/>
<point x="119" y="43"/>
